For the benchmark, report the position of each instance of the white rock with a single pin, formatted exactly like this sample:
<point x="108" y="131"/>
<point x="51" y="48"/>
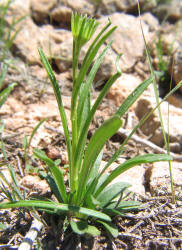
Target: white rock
<point x="152" y="126"/>
<point x="133" y="176"/>
<point x="122" y="87"/>
<point x="160" y="177"/>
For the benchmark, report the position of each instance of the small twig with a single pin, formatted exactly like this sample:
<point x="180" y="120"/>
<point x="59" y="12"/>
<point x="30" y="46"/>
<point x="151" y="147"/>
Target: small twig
<point x="156" y="148"/>
<point x="128" y="235"/>
<point x="7" y="246"/>
<point x="173" y="239"/>
<point x="19" y="166"/>
<point x="31" y="235"/>
<point x="11" y="136"/>
<point x="59" y="131"/>
<point x="136" y="226"/>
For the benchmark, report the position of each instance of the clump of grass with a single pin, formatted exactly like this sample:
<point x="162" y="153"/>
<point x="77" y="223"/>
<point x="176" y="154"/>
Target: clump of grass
<point x="8" y="32"/>
<point x="90" y="199"/>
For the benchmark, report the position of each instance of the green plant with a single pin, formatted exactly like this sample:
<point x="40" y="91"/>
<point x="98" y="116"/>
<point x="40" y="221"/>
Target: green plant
<point x="8" y="32"/>
<point x="10" y="191"/>
<point x="4" y="93"/>
<point x="91" y="198"/>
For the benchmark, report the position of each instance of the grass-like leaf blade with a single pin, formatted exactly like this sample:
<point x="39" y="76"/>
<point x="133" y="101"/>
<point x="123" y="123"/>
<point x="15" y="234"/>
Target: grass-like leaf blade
<point x="97" y="141"/>
<point x="82" y="227"/>
<point x="55" y="171"/>
<point x="88" y="83"/>
<point x="56" y="207"/>
<point x="110" y="228"/>
<point x="148" y="158"/>
<point x="133" y="97"/>
<point x="57" y="93"/>
<point x="111" y="192"/>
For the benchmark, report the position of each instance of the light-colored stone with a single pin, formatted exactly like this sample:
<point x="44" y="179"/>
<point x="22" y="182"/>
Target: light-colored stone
<point x="172" y="9"/>
<point x="17" y="6"/>
<point x="122" y="88"/>
<point x="160" y="177"/>
<point x="176" y="67"/>
<point x="31" y="37"/>
<point x="81" y="6"/>
<point x="133" y="176"/>
<point x="175" y="100"/>
<point x="61" y="14"/>
<point x="35" y="184"/>
<point x="107" y="7"/>
<point x="40" y="10"/>
<point x="151" y="20"/>
<point x="63" y="54"/>
<point x="152" y="126"/>
<point x="127" y="39"/>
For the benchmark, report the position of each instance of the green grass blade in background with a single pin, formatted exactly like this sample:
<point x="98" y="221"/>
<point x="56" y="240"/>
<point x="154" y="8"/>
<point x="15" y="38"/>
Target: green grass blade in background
<point x="148" y="158"/>
<point x="14" y="186"/>
<point x="3" y="74"/>
<point x="34" y="131"/>
<point x="55" y="171"/>
<point x="59" y="101"/>
<point x="5" y="93"/>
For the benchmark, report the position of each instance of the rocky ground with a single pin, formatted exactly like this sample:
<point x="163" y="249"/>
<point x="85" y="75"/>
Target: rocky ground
<point x="47" y="24"/>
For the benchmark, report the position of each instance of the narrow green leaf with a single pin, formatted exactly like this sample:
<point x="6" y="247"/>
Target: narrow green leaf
<point x="5" y="93"/>
<point x="111" y="192"/>
<point x="34" y="131"/>
<point x="82" y="139"/>
<point x="3" y="227"/>
<point x="148" y="158"/>
<point x="110" y="228"/>
<point x="107" y="129"/>
<point x="91" y="202"/>
<point x="57" y="207"/>
<point x="133" y="97"/>
<point x="57" y="93"/>
<point x="13" y="187"/>
<point x="92" y="188"/>
<point x="82" y="227"/>
<point x="53" y="186"/>
<point x="25" y="142"/>
<point x="124" y="206"/>
<point x="95" y="170"/>
<point x="3" y="74"/>
<point x="55" y="171"/>
<point x="88" y="83"/>
<point x="121" y="148"/>
<point x="86" y="65"/>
